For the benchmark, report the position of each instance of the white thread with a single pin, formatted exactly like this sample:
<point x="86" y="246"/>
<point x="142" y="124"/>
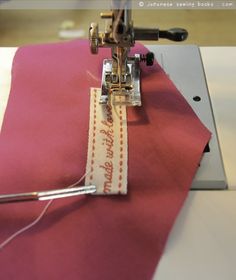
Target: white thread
<point x="14" y="235"/>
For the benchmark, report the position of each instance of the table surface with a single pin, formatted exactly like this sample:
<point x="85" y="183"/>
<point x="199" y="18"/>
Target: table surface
<point x="202" y="243"/>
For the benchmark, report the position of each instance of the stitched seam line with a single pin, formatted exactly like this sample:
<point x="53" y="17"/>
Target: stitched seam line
<point x="93" y="135"/>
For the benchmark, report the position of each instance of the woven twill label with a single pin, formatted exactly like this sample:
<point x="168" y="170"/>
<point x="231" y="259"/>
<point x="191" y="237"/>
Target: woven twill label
<point x="107" y="147"/>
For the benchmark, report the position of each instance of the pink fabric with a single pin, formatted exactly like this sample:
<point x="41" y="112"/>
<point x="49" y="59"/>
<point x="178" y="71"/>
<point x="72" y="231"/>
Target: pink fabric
<point x="43" y="145"/>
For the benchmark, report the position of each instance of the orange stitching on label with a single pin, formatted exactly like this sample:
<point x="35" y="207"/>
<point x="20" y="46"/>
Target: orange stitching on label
<point x="94" y="135"/>
<point x="121" y="148"/>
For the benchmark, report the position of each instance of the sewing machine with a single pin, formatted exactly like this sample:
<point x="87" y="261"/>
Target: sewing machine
<point x="121" y="77"/>
<point x="121" y="73"/>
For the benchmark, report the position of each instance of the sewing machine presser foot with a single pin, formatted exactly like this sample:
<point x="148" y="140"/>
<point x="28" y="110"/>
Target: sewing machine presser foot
<point x="123" y="92"/>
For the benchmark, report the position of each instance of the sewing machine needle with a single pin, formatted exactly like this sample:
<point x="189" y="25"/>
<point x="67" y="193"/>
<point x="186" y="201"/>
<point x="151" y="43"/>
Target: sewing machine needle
<point x="47" y="195"/>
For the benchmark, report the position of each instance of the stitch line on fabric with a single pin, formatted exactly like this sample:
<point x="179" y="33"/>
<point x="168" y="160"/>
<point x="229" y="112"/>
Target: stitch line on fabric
<point x="121" y="149"/>
<point x="94" y="136"/>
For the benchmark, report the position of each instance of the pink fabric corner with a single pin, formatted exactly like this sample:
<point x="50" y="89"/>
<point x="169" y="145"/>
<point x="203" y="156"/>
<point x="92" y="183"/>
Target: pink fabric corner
<point x="43" y="145"/>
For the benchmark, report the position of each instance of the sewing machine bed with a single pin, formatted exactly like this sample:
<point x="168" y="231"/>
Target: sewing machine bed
<point x="184" y="66"/>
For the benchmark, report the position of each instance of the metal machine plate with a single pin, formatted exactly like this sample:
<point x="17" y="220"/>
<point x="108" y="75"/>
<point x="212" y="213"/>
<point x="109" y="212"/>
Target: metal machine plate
<point x="184" y="66"/>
